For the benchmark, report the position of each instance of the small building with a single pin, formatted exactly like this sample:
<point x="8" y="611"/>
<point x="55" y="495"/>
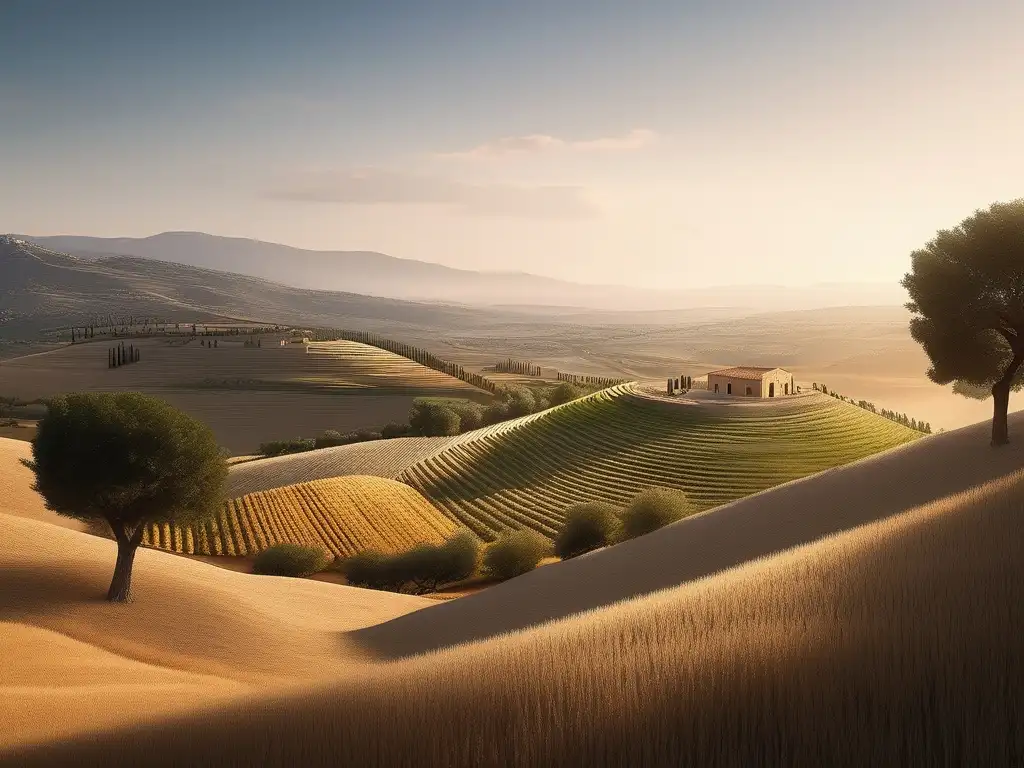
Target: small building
<point x="752" y="382"/>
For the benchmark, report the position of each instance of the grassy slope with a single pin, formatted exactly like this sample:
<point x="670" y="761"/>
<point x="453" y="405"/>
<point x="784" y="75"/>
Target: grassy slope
<point x="383" y="458"/>
<point x="341" y="515"/>
<point x="246" y="395"/>
<point x="612" y="444"/>
<point x="893" y="644"/>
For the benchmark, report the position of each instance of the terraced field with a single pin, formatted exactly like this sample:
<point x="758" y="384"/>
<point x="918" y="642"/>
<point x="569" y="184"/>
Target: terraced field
<point x="380" y="458"/>
<point x="525" y="472"/>
<point x="343" y="516"/>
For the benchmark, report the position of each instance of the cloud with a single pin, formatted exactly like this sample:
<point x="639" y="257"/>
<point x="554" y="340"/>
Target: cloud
<point x="636" y="139"/>
<point x="374" y="186"/>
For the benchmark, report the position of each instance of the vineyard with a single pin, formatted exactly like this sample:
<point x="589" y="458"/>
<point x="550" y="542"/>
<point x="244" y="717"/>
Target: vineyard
<point x="341" y="516"/>
<point x="525" y="472"/>
<point x="380" y="458"/>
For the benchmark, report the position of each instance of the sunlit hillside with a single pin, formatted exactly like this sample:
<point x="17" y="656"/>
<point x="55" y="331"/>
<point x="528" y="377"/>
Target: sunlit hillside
<point x="340" y="516"/>
<point x="895" y="643"/>
<point x="525" y="472"/>
<point x="383" y="458"/>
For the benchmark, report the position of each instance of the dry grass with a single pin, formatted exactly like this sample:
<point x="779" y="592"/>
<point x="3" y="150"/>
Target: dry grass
<point x="342" y="516"/>
<point x="896" y="643"/>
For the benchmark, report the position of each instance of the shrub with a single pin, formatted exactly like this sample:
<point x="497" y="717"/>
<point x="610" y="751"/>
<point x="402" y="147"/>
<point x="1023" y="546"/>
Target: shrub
<point x="515" y="553"/>
<point x="422" y="569"/>
<point x="587" y="527"/>
<point x="285" y="447"/>
<point x="373" y="570"/>
<point x="290" y="560"/>
<point x="652" y="509"/>
<point x="563" y="393"/>
<point x="434" y="420"/>
<point x="471" y="415"/>
<point x="330" y="437"/>
<point x="394" y="430"/>
<point x="495" y="413"/>
<point x="521" y="401"/>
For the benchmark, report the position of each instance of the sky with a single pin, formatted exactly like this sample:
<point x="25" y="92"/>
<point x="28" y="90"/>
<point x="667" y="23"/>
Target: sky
<point x="660" y="143"/>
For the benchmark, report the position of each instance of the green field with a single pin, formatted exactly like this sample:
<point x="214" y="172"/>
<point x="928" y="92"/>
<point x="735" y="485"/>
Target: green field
<point x="608" y="446"/>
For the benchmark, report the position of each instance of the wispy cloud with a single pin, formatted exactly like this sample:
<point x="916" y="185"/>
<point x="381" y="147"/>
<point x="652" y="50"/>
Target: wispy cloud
<point x="375" y="186"/>
<point x="636" y="139"/>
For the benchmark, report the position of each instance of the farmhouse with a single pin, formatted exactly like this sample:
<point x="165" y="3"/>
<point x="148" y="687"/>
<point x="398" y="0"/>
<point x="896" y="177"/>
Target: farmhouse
<point x="752" y="382"/>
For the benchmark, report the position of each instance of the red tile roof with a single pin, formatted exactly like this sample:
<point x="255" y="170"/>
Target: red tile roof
<point x="755" y="374"/>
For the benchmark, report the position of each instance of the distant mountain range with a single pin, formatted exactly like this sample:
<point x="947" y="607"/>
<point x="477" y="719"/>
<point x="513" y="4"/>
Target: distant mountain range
<point x="42" y="289"/>
<point x="377" y="274"/>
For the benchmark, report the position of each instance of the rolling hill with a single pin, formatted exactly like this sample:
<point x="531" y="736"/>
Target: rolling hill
<point x="380" y="458"/>
<point x="41" y="289"/>
<point x="609" y="446"/>
<point x="377" y="274"/>
<point x="248" y="395"/>
<point x="892" y="642"/>
<point x="340" y="516"/>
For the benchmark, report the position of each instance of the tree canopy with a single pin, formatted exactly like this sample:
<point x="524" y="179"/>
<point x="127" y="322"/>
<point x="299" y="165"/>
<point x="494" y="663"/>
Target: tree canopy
<point x="966" y="291"/>
<point x="128" y="460"/>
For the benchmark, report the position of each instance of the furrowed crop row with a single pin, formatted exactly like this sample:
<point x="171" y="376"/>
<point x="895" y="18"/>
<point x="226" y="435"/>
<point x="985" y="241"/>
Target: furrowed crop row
<point x="614" y="443"/>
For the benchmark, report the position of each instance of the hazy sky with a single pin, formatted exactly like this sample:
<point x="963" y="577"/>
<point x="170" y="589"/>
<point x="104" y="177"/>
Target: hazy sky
<point x="667" y="143"/>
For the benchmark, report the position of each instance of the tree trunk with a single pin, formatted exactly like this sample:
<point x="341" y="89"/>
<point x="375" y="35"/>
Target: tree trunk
<point x="121" y="585"/>
<point x="1001" y="401"/>
<point x="1001" y="404"/>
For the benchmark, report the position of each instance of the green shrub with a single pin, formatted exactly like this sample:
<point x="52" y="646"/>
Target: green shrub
<point x="424" y="568"/>
<point x="521" y="401"/>
<point x="471" y="415"/>
<point x="495" y="413"/>
<point x="433" y="419"/>
<point x="563" y="393"/>
<point x="290" y="560"/>
<point x="329" y="438"/>
<point x="652" y="509"/>
<point x="285" y="447"/>
<point x="515" y="553"/>
<point x="373" y="570"/>
<point x="587" y="527"/>
<point x="394" y="429"/>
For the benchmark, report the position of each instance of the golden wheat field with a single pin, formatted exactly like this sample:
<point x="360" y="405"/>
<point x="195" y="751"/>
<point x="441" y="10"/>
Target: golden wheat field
<point x="892" y="643"/>
<point x="342" y="516"/>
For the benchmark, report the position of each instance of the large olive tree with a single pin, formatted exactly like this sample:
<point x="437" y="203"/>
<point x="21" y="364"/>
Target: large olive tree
<point x="967" y="294"/>
<point x="127" y="460"/>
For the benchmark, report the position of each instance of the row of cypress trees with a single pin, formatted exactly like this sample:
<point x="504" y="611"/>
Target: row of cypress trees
<point x="900" y="418"/>
<point x="593" y="381"/>
<point x="523" y="367"/>
<point x="408" y="351"/>
<point x="121" y="355"/>
<point x="683" y="382"/>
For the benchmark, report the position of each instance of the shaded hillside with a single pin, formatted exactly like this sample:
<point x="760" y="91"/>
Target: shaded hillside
<point x="40" y="289"/>
<point x="895" y="643"/>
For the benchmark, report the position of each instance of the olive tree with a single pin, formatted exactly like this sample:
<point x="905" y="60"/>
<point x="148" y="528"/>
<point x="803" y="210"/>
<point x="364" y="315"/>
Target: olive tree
<point x="126" y="460"/>
<point x="967" y="298"/>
